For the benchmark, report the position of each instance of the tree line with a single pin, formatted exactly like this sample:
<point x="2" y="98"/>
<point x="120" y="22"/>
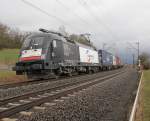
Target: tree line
<point x="10" y="38"/>
<point x="145" y="60"/>
<point x="13" y="38"/>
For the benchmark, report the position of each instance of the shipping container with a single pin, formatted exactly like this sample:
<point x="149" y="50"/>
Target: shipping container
<point x="105" y="58"/>
<point x="114" y="61"/>
<point x="88" y="54"/>
<point x="118" y="61"/>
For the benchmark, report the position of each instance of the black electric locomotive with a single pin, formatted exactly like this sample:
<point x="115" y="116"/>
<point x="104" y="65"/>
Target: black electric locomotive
<point x="49" y="54"/>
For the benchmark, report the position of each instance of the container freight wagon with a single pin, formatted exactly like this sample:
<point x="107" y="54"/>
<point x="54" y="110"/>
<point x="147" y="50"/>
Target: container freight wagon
<point x="118" y="62"/>
<point x="51" y="54"/>
<point x="88" y="58"/>
<point x="88" y="54"/>
<point x="106" y="59"/>
<point x="114" y="62"/>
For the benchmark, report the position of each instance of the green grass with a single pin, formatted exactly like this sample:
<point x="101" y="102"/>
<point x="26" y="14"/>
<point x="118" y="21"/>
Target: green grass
<point x="5" y="73"/>
<point x="146" y="95"/>
<point x="8" y="56"/>
<point x="10" y="77"/>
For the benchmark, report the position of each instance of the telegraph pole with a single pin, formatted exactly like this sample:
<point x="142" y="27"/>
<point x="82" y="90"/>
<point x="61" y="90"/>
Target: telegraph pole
<point x="138" y="49"/>
<point x="133" y="59"/>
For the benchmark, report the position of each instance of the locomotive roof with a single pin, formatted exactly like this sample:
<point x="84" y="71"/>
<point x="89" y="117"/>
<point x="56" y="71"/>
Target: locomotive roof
<point x="54" y="36"/>
<point x="58" y="37"/>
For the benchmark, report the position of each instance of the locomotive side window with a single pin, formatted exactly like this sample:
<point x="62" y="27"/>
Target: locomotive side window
<point x="52" y="49"/>
<point x="56" y="49"/>
<point x="54" y="44"/>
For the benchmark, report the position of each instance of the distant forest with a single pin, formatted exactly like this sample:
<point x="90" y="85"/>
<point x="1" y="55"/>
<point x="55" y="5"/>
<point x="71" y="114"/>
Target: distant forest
<point x="13" y="38"/>
<point x="10" y="38"/>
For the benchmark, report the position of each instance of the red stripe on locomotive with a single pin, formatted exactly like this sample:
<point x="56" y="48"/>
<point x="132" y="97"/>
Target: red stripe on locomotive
<point x="30" y="58"/>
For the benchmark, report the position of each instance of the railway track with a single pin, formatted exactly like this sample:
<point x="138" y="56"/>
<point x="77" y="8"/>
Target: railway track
<point x="27" y="82"/>
<point x="14" y="105"/>
<point x="30" y="82"/>
<point x="20" y="90"/>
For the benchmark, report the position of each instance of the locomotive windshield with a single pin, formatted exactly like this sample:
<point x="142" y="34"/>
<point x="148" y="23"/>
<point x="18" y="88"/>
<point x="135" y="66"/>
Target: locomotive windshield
<point x="33" y="43"/>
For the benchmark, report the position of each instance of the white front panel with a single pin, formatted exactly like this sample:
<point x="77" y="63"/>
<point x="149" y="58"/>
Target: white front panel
<point x="30" y="53"/>
<point x="88" y="55"/>
<point x="114" y="60"/>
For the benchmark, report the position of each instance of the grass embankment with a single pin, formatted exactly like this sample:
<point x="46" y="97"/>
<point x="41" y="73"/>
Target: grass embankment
<point x="8" y="56"/>
<point x="10" y="77"/>
<point x="146" y="96"/>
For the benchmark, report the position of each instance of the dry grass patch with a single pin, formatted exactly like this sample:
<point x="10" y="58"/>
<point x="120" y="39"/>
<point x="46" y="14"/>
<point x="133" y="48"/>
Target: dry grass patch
<point x="8" y="56"/>
<point x="146" y="96"/>
<point x="10" y="77"/>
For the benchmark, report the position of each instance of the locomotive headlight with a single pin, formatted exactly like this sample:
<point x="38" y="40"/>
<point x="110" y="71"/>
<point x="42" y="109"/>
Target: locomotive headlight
<point x="43" y="56"/>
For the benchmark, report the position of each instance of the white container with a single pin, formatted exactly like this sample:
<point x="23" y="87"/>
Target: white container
<point x="114" y="61"/>
<point x="88" y="55"/>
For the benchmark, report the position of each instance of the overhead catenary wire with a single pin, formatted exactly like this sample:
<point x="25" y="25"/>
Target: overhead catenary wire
<point x="62" y="20"/>
<point x="98" y="20"/>
<point x="88" y="8"/>
<point x="104" y="24"/>
<point x="79" y="17"/>
<point x="132" y="46"/>
<point x="85" y="6"/>
<point x="48" y="14"/>
<point x="116" y="36"/>
<point x="67" y="8"/>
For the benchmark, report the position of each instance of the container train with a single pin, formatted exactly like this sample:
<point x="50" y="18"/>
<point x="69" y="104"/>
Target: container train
<point x="50" y="54"/>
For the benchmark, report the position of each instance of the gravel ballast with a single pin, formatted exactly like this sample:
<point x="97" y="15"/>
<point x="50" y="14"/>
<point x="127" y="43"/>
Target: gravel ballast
<point x="16" y="91"/>
<point x="107" y="101"/>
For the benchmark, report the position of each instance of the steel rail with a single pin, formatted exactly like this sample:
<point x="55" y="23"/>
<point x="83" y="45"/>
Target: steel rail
<point x="68" y="90"/>
<point x="24" y="83"/>
<point x="81" y="80"/>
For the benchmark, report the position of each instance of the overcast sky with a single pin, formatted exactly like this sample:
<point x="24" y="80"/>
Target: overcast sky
<point x="114" y="22"/>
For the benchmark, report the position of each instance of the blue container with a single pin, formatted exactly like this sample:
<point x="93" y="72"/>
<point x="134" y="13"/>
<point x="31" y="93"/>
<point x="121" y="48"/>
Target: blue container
<point x="105" y="58"/>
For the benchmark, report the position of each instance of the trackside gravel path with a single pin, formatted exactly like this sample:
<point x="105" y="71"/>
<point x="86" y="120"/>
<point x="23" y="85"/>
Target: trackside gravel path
<point x="107" y="101"/>
<point x="19" y="90"/>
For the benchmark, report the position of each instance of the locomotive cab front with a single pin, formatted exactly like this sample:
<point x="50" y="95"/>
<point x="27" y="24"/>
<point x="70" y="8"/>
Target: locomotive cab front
<point x="32" y="49"/>
<point x="48" y="54"/>
<point x="36" y="55"/>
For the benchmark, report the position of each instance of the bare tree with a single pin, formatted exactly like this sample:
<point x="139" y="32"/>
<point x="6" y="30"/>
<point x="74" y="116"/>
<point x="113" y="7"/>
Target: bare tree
<point x="145" y="60"/>
<point x="9" y="38"/>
